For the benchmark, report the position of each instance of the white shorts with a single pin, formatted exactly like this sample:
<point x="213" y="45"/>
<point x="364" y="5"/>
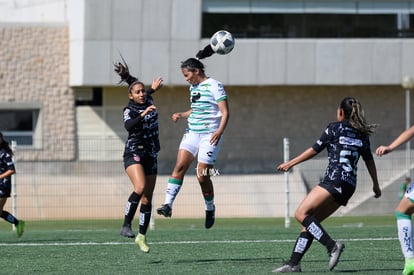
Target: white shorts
<point x="200" y="144"/>
<point x="410" y="192"/>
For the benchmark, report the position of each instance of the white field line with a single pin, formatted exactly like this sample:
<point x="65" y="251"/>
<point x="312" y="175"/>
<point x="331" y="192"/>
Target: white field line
<point x="178" y="242"/>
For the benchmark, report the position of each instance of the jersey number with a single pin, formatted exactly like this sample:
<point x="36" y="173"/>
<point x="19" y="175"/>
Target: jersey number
<point x="348" y="159"/>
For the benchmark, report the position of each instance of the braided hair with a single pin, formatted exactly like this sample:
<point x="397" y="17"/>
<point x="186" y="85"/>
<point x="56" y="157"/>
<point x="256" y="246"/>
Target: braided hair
<point x="355" y="114"/>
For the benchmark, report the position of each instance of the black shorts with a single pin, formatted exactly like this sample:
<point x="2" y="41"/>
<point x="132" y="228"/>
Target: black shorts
<point x="5" y="189"/>
<point x="341" y="191"/>
<point x="149" y="163"/>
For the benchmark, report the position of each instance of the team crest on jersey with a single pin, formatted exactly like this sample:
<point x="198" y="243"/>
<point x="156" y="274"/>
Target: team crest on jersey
<point x="137" y="158"/>
<point x="195" y="96"/>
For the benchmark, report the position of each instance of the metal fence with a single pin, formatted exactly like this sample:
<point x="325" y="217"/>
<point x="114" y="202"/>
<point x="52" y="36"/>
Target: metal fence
<point x="91" y="189"/>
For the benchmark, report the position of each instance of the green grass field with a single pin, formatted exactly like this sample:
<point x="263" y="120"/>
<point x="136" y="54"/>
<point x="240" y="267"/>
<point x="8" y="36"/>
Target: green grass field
<point x="183" y="246"/>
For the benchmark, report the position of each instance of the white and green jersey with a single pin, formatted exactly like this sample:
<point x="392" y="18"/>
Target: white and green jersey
<point x="205" y="114"/>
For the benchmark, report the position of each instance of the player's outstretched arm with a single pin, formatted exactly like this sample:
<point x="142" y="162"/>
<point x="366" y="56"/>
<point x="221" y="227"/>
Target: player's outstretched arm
<point x="307" y="154"/>
<point x="176" y="116"/>
<point x="401" y="139"/>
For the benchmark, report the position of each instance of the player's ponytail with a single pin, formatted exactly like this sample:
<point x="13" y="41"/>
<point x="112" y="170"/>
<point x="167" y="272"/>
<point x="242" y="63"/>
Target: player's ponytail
<point x="5" y="145"/>
<point x="206" y="52"/>
<point x="123" y="71"/>
<point x="355" y="114"/>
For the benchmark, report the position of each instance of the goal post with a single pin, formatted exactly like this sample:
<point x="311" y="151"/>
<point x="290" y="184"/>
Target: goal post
<point x="287" y="191"/>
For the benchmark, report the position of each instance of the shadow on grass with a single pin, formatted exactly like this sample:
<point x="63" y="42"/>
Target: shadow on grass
<point x="221" y="260"/>
<point x="359" y="268"/>
<point x="365" y="270"/>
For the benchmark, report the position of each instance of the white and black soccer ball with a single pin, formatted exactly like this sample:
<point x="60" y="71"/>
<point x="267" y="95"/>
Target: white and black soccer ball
<point x="222" y="42"/>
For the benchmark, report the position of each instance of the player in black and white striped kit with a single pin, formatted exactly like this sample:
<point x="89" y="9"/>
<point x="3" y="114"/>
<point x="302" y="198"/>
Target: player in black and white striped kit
<point x="140" y="118"/>
<point x="346" y="141"/>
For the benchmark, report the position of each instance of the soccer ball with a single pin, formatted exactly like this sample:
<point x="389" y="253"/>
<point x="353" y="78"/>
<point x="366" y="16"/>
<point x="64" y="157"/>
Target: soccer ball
<point x="222" y="42"/>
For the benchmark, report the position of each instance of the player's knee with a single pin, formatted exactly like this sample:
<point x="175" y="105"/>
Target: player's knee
<point x="300" y="215"/>
<point x="179" y="171"/>
<point x="203" y="180"/>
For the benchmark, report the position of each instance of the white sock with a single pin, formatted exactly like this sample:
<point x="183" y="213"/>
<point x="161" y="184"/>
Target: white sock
<point x="405" y="235"/>
<point x="173" y="187"/>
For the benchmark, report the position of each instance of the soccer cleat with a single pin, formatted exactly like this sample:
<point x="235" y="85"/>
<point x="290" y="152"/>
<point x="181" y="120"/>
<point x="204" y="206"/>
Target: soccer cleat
<point x="20" y="228"/>
<point x="165" y="210"/>
<point x="335" y="254"/>
<point x="210" y="218"/>
<point x="126" y="231"/>
<point x="287" y="268"/>
<point x="409" y="267"/>
<point x="141" y="241"/>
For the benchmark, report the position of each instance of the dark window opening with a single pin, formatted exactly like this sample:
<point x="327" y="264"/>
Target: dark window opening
<point x="93" y="98"/>
<point x="19" y="125"/>
<point x="272" y="25"/>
